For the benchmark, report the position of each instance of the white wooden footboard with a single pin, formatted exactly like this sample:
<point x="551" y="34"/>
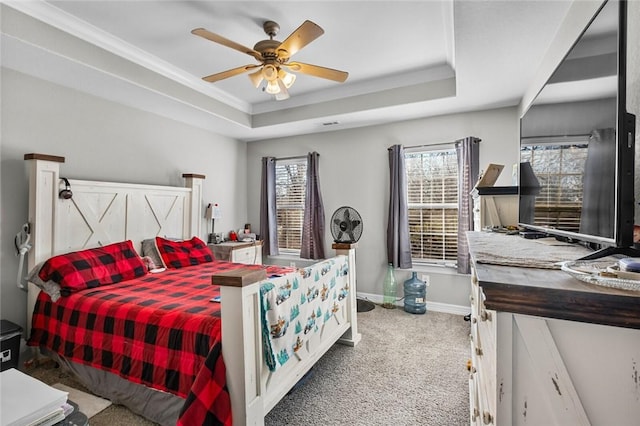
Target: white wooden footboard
<point x="254" y="389"/>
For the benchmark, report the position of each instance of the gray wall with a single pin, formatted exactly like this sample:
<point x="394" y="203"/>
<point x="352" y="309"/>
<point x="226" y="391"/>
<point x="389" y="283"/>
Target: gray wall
<point x="354" y="171"/>
<point x="102" y="140"/>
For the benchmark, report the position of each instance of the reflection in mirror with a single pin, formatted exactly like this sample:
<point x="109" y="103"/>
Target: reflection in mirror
<point x="568" y="140"/>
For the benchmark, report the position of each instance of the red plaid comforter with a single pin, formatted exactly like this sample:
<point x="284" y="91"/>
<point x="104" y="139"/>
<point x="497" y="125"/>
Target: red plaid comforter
<point x="160" y="330"/>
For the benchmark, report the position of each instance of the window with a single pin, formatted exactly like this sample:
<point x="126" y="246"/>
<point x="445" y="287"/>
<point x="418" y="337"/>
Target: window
<point x="559" y="168"/>
<point x="432" y="185"/>
<point x="291" y="181"/>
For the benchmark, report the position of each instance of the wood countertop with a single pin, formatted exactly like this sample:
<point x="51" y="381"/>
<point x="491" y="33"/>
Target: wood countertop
<point x="547" y="292"/>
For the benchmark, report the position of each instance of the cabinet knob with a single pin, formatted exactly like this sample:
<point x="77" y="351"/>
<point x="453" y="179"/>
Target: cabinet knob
<point x="487" y="418"/>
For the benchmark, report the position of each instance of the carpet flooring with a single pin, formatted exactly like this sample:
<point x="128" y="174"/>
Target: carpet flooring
<point x="407" y="370"/>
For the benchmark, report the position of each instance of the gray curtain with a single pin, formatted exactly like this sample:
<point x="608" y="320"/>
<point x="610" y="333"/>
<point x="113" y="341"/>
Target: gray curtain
<point x="313" y="225"/>
<point x="268" y="216"/>
<point x="398" y="242"/>
<point x="599" y="185"/>
<point x="468" y="153"/>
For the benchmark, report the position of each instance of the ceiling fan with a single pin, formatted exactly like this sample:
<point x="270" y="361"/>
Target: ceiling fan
<point x="273" y="57"/>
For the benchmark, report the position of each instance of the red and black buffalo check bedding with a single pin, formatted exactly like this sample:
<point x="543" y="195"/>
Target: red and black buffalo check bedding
<point x="160" y="330"/>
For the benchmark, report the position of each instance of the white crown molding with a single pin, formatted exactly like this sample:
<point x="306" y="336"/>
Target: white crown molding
<point x="63" y="21"/>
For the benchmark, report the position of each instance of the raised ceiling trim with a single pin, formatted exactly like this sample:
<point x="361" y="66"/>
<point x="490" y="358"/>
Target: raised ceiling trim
<point x="439" y="89"/>
<point x="63" y="21"/>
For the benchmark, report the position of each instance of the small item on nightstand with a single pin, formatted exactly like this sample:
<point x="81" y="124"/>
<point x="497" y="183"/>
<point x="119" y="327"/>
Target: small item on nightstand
<point x="233" y="236"/>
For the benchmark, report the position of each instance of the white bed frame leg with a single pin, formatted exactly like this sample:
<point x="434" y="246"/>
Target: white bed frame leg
<point x="351" y="337"/>
<point x="242" y="350"/>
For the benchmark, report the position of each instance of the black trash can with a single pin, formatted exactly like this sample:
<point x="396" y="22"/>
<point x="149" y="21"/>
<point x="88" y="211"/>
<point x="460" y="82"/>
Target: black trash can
<point x="10" y="334"/>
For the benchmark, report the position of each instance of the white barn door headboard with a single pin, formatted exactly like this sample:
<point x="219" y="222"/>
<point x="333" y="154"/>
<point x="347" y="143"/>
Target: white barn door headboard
<point x="101" y="213"/>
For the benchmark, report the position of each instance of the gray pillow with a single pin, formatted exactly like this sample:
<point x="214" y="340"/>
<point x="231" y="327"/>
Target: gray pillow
<point x="150" y="249"/>
<point x="52" y="288"/>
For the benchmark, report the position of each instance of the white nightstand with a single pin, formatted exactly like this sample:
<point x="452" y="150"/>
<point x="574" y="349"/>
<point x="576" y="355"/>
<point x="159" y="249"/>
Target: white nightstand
<point x="249" y="253"/>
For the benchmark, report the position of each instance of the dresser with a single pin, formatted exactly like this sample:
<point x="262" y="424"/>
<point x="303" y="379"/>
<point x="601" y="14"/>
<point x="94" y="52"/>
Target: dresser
<point x="547" y="349"/>
<point x="249" y="253"/>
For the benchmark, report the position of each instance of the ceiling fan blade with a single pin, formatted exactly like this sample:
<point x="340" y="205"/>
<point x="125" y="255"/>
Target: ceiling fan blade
<point x="229" y="73"/>
<point x="226" y="42"/>
<point x="303" y="35"/>
<point x="317" y="71"/>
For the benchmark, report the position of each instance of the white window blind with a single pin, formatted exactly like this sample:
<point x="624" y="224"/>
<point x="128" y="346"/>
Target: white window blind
<point x="432" y="185"/>
<point x="559" y="169"/>
<point x="291" y="180"/>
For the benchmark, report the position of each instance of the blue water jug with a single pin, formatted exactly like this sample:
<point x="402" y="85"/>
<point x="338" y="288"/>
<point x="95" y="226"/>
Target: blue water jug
<point x="415" y="294"/>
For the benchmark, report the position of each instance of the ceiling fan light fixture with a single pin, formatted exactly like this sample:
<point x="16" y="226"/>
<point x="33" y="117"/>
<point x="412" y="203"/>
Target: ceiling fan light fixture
<point x="256" y="78"/>
<point x="270" y="72"/>
<point x="272" y="87"/>
<point x="284" y="93"/>
<point x="287" y="78"/>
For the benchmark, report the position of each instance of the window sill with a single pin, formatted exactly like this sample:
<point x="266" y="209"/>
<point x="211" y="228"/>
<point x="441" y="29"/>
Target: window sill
<point x="290" y="259"/>
<point x="434" y="268"/>
<point x="285" y="256"/>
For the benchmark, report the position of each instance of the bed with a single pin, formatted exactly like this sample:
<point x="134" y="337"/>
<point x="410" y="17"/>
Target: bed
<point x="240" y="357"/>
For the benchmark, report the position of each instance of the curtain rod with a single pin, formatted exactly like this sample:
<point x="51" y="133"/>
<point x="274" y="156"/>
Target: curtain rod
<point x="430" y="145"/>
<point x="437" y="144"/>
<point x="578" y="135"/>
<point x="298" y="157"/>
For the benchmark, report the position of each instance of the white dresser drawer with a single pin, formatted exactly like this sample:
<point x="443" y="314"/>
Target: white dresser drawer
<point x="248" y="255"/>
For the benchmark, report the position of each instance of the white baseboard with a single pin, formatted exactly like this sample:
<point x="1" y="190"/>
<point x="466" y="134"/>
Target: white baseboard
<point x="431" y="306"/>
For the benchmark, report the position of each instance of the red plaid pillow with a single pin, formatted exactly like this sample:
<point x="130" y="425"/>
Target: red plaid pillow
<point x="177" y="254"/>
<point x="94" y="267"/>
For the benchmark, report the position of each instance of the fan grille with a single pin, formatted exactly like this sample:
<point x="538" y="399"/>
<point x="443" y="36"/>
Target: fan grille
<point x="346" y="225"/>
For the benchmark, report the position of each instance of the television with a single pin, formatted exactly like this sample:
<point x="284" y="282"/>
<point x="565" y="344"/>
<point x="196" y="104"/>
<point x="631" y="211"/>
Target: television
<point x="577" y="153"/>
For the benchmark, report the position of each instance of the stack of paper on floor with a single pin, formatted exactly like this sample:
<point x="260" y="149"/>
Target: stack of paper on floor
<point x="28" y="401"/>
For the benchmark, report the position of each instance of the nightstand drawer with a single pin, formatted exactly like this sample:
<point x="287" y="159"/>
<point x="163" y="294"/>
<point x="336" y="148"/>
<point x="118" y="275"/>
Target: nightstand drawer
<point x="248" y="255"/>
